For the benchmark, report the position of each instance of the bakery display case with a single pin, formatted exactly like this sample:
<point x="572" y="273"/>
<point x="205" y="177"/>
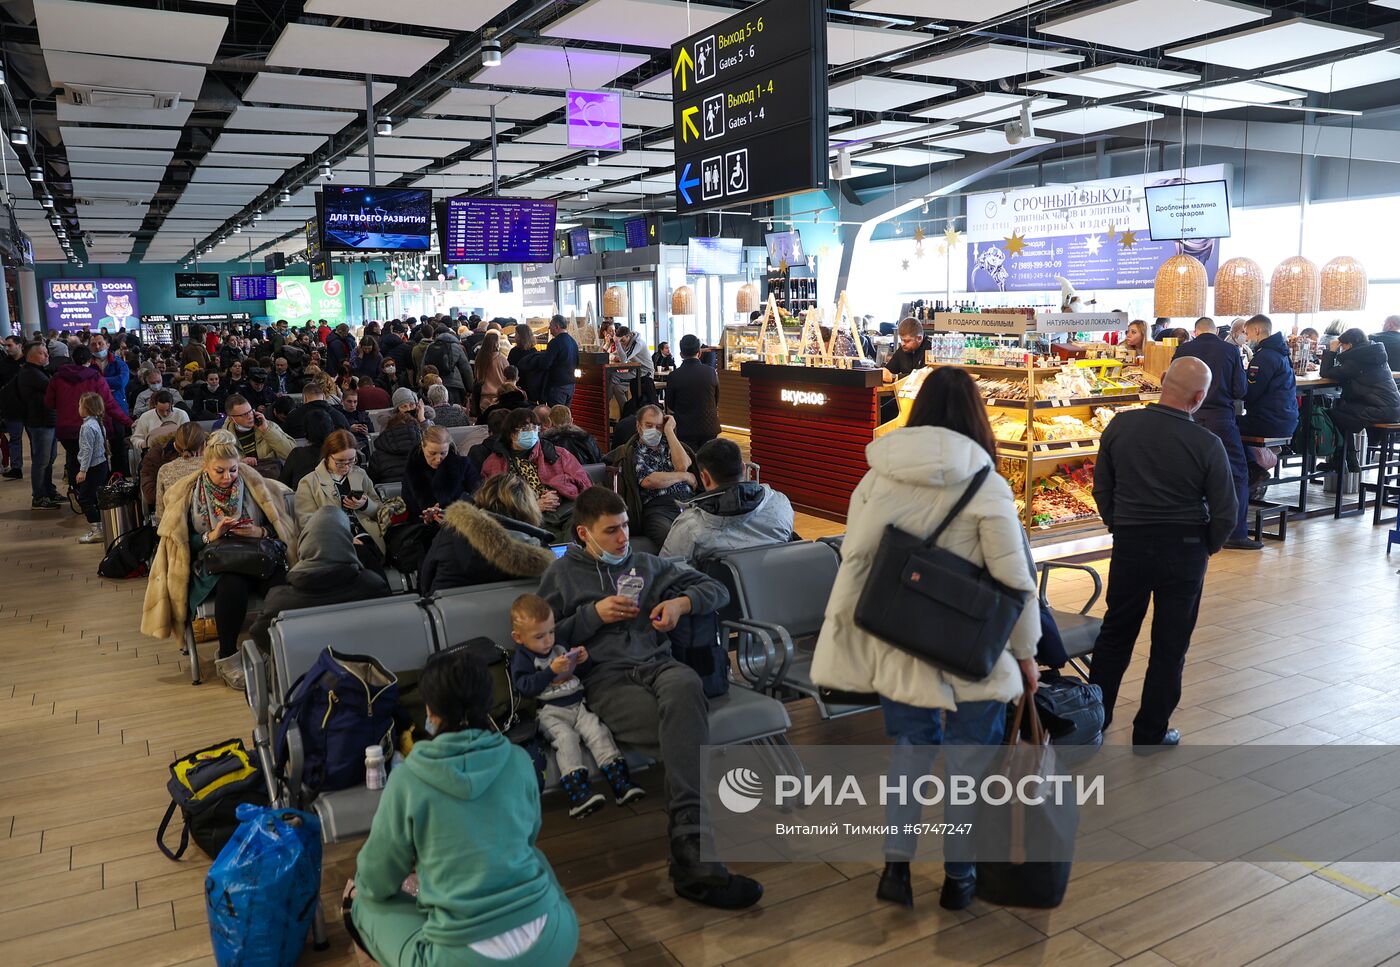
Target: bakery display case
<point x="1047" y="420"/>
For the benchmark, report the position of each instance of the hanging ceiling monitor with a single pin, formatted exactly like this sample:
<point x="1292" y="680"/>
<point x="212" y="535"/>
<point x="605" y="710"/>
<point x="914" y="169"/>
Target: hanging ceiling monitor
<point x="497" y="230"/>
<point x="362" y="219"/>
<point x="1186" y="211"/>
<point x="714" y="256"/>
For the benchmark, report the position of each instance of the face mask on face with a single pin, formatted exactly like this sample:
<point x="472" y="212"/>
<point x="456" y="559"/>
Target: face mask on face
<point x="430" y="726"/>
<point x="608" y="557"/>
<point x="389" y="371"/>
<point x="651" y="437"/>
<point x="102" y="354"/>
<point x="526" y="439"/>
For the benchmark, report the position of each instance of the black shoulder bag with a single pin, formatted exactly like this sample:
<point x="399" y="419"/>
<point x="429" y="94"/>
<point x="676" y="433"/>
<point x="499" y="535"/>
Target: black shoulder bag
<point x="936" y="606"/>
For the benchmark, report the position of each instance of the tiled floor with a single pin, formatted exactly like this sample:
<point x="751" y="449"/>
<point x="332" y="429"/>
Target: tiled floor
<point x="1297" y="643"/>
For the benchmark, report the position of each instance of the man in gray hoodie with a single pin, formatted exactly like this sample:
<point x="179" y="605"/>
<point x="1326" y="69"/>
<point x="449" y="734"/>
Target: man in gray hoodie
<point x="732" y="513"/>
<point x="620" y="603"/>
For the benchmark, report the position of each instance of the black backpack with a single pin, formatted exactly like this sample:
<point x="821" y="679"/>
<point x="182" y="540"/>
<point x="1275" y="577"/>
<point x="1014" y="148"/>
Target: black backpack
<point x="439" y="354"/>
<point x="129" y="556"/>
<point x="206" y="787"/>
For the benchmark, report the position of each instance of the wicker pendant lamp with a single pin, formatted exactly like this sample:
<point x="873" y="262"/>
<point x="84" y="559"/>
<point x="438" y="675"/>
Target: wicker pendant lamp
<point x="1239" y="288"/>
<point x="746" y="300"/>
<point x="615" y="302"/>
<point x="1180" y="288"/>
<point x="683" y="301"/>
<point x="1295" y="286"/>
<point x="1344" y="285"/>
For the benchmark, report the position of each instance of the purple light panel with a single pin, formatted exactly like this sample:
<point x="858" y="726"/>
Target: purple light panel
<point x="595" y="120"/>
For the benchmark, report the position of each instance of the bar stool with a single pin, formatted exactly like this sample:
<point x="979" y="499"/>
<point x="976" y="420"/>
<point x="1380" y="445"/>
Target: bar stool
<point x="1385" y="439"/>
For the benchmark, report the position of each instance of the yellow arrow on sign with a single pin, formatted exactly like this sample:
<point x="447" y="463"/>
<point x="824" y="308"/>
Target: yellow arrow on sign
<point x="688" y="124"/>
<point x="682" y="62"/>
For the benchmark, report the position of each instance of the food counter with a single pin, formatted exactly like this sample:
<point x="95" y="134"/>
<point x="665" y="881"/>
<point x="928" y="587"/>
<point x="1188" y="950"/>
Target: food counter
<point x="590" y="404"/>
<point x="809" y="429"/>
<point x="1047" y="421"/>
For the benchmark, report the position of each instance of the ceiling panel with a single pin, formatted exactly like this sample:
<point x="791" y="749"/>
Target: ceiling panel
<point x="1227" y="97"/>
<point x="236" y="159"/>
<point x="309" y="90"/>
<point x="96" y="188"/>
<point x="66" y="67"/>
<point x="448" y="128"/>
<point x="559" y="134"/>
<point x="97" y="28"/>
<point x="1275" y="43"/>
<point x="967" y="11"/>
<point x="287" y="120"/>
<point x="882" y="93"/>
<point x="174" y="117"/>
<point x="660" y="84"/>
<point x="128" y="156"/>
<point x="1001" y="107"/>
<point x="558" y="68"/>
<point x="607" y="173"/>
<point x="1109" y="80"/>
<point x="335" y="48"/>
<point x="468" y="15"/>
<point x="298" y="144"/>
<point x="475" y="103"/>
<point x="642" y="23"/>
<point x="527" y="152"/>
<point x="119" y="137"/>
<point x="1145" y="24"/>
<point x="519" y="191"/>
<point x="360" y="162"/>
<point x="89" y="169"/>
<point x="1087" y="120"/>
<point x="189" y="209"/>
<point x="877" y="129"/>
<point x="417" y="147"/>
<point x="646" y="112"/>
<point x="908" y="157"/>
<point x="640" y="157"/>
<point x="847" y="42"/>
<point x="448" y="184"/>
<point x="989" y="62"/>
<point x="985" y="142"/>
<point x="242" y="176"/>
<point x="1345" y="74"/>
<point x="484" y="168"/>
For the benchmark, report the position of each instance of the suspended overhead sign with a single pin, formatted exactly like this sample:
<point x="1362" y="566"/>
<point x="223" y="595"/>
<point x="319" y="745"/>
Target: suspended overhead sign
<point x="595" y="120"/>
<point x="749" y="106"/>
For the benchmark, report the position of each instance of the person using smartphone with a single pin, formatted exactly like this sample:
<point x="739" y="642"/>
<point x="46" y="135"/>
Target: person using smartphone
<point x="258" y="439"/>
<point x="338" y="481"/>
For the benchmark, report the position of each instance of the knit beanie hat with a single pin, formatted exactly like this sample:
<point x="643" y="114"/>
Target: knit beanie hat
<point x="403" y="395"/>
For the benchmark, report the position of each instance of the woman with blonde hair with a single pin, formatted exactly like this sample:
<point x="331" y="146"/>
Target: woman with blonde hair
<point x="226" y="499"/>
<point x="337" y="481"/>
<point x="93" y="465"/>
<point x="499" y="538"/>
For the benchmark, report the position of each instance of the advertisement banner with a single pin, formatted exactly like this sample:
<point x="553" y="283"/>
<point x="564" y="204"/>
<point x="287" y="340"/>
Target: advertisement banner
<point x="299" y="299"/>
<point x="1093" y="234"/>
<point x="90" y="303"/>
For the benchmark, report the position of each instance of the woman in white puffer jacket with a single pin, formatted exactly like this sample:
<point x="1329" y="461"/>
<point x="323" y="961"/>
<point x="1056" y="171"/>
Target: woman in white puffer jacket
<point x="917" y="474"/>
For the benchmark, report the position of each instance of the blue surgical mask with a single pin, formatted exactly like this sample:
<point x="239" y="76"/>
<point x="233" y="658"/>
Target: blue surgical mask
<point x="102" y="354"/>
<point x="651" y="437"/>
<point x="608" y="557"/>
<point x="526" y="439"/>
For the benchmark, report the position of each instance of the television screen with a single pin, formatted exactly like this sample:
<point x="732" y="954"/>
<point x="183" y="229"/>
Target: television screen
<point x="641" y="232"/>
<point x="359" y="219"/>
<point x="243" y="288"/>
<point x="785" y="248"/>
<point x="495" y="230"/>
<point x="579" y="243"/>
<point x="91" y="304"/>
<point x="714" y="256"/>
<point x="197" y="285"/>
<point x="275" y="262"/>
<point x="1199" y="210"/>
<point x="505" y="281"/>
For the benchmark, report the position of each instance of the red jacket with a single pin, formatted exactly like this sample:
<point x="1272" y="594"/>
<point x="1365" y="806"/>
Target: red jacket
<point x="559" y="469"/>
<point x="372" y="397"/>
<point x="211" y="343"/>
<point x="67" y="386"/>
<point x="322" y="334"/>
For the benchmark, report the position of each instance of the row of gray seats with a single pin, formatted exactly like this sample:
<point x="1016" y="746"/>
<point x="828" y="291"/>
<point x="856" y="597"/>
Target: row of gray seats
<point x="402" y="632"/>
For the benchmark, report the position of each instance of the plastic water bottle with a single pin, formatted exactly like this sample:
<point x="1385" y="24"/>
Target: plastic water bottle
<point x="630" y="586"/>
<point x="375" y="774"/>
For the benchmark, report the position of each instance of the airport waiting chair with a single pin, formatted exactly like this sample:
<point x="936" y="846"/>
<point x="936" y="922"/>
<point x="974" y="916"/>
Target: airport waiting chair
<point x="1078" y="629"/>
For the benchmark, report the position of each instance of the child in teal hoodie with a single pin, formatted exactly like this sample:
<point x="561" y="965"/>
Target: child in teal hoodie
<point x="463" y="811"/>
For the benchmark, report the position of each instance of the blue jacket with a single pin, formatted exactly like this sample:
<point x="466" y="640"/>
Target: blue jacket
<point x="117" y="374"/>
<point x="1271" y="394"/>
<point x="1227" y="374"/>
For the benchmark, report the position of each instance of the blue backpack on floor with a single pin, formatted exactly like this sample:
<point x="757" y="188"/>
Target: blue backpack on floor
<point x="260" y="894"/>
